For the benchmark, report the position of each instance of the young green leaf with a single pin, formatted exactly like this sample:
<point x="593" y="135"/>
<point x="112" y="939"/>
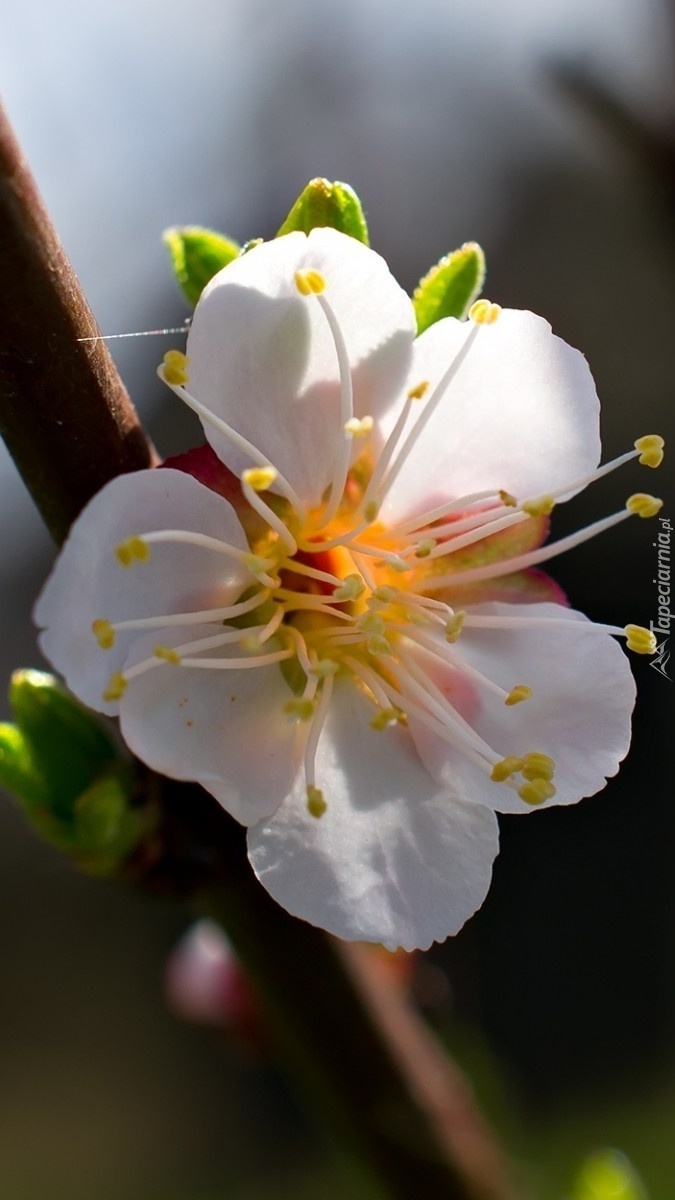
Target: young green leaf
<point x="450" y="288"/>
<point x="196" y="256"/>
<point x="324" y="203"/>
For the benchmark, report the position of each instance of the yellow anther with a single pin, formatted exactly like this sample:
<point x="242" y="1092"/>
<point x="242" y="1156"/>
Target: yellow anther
<point x="483" y="312"/>
<point x="506" y="768"/>
<point x="538" y="766"/>
<point x="644" y="505"/>
<point x="316" y="805"/>
<point x="175" y="368"/>
<point x="117" y="685"/>
<point x="167" y="654"/>
<point x="359" y="428"/>
<point x="104" y="634"/>
<point x="537" y="791"/>
<point x="133" y="548"/>
<point x="259" y="478"/>
<point x="300" y="709"/>
<point x="651" y="446"/>
<point x="454" y="626"/>
<point x="309" y="283"/>
<point x="385" y="718"/>
<point x="507" y="499"/>
<point x="324" y="667"/>
<point x="639" y="639"/>
<point x="540" y="507"/>
<point x="371" y="622"/>
<point x="383" y="595"/>
<point x="250" y="643"/>
<point x="371" y="510"/>
<point x="423" y="549"/>
<point x="419" y="390"/>
<point x="396" y="563"/>
<point x="351" y="588"/>
<point x="377" y="644"/>
<point x="520" y="692"/>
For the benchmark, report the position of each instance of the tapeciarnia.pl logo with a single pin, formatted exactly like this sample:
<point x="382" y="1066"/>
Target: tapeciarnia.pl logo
<point x="662" y="623"/>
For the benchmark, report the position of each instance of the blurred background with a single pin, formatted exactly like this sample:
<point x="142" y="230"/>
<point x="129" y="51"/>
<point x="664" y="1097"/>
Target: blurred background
<point x="546" y="133"/>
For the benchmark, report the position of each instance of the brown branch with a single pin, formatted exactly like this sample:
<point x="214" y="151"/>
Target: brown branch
<point x="64" y="412"/>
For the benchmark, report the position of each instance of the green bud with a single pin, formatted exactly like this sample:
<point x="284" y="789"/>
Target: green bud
<point x="323" y="203"/>
<point x="450" y="288"/>
<point x="68" y="776"/>
<point x="196" y="256"/>
<point x="608" y="1175"/>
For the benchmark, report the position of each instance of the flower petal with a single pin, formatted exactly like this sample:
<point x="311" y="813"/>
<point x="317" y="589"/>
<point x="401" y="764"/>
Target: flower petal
<point x="579" y="713"/>
<point x="392" y="859"/>
<point x="521" y="414"/>
<point x="224" y="729"/>
<point x="262" y="357"/>
<point x="88" y="583"/>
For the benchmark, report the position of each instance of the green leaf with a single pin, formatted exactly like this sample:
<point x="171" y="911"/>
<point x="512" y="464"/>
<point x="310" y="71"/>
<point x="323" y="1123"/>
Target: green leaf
<point x="197" y="255"/>
<point x="323" y="203"/>
<point x="450" y="288"/>
<point x="608" y="1175"/>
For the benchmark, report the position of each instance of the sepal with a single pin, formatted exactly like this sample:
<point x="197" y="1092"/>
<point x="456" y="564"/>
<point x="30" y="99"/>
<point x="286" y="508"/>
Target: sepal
<point x="450" y="287"/>
<point x="196" y="256"/>
<point x="323" y="203"/>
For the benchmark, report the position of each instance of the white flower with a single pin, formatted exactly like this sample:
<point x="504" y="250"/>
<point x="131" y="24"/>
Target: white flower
<point x="345" y="676"/>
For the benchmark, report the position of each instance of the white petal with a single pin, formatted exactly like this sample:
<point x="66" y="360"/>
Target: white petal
<point x="223" y="729"/>
<point x="579" y="713"/>
<point x="88" y="583"/>
<point x="521" y="414"/>
<point x="393" y="859"/>
<point x="262" y="357"/>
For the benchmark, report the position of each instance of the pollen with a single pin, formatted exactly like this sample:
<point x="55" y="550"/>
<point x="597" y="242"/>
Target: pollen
<point x="483" y="312"/>
<point x="175" y="366"/>
<point x="324" y="667"/>
<point x="505" y="768"/>
<point x="359" y="428"/>
<point x="644" y="505"/>
<point x="167" y="654"/>
<point x="536" y="791"/>
<point x="423" y="549"/>
<point x="351" y="588"/>
<point x="538" y="766"/>
<point x="300" y="709"/>
<point x="259" y="478"/>
<point x="310" y="283"/>
<point x="453" y="627"/>
<point x="385" y="718"/>
<point x="520" y="692"/>
<point x="378" y="645"/>
<point x="383" y="595"/>
<point x="133" y="549"/>
<point x="117" y="685"/>
<point x="104" y="634"/>
<point x="651" y="447"/>
<point x="316" y="805"/>
<point x="540" y="507"/>
<point x="507" y="499"/>
<point x="639" y="639"/>
<point x="419" y="390"/>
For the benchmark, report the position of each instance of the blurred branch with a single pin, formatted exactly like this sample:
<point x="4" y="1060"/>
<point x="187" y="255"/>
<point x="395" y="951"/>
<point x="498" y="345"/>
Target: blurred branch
<point x="64" y="412"/>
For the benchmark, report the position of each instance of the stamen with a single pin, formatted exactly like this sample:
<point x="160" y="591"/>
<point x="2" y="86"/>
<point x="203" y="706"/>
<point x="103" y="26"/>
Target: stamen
<point x="309" y="283"/>
<point x="538" y="766"/>
<point x="483" y="312"/>
<point x="260" y="478"/>
<point x="651" y="450"/>
<point x="202" y="617"/>
<point x="369" y="505"/>
<point x="351" y="588"/>
<point x="454" y="626"/>
<point x="176" y="367"/>
<point x="536" y="792"/>
<point x="518" y="693"/>
<point x="238" y="664"/>
<point x="300" y="568"/>
<point x="251" y="493"/>
<point x="316" y="804"/>
<point x="538" y="508"/>
<point x="418" y="636"/>
<point x="428" y="411"/>
<point x="104" y="633"/>
<point x="167" y="654"/>
<point x="644" y="505"/>
<point x="344" y="454"/>
<point x="521" y="562"/>
<point x="505" y="768"/>
<point x="300" y="708"/>
<point x="134" y="548"/>
<point x="236" y="439"/>
<point x="187" y="537"/>
<point x="359" y="428"/>
<point x="444" y="510"/>
<point x="116" y="688"/>
<point x="315" y="731"/>
<point x="640" y="640"/>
